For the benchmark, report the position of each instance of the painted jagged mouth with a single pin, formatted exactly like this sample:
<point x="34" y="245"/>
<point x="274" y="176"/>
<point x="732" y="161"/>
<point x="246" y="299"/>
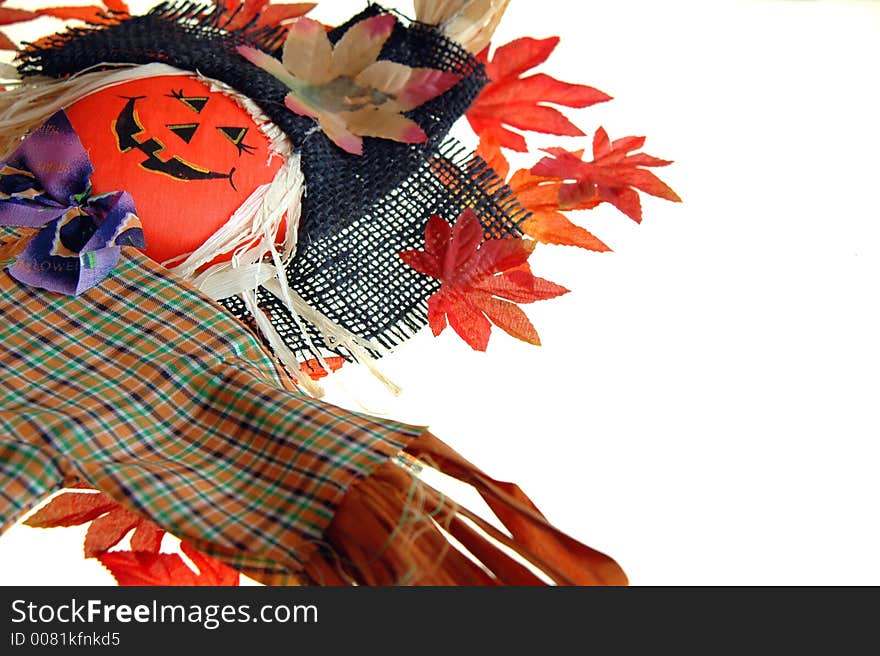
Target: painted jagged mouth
<point x="127" y="127"/>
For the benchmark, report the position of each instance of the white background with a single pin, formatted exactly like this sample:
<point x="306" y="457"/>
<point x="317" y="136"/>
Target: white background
<point x="705" y="406"/>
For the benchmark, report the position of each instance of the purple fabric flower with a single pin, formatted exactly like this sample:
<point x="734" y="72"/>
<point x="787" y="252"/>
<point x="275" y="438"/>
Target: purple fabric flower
<point x="45" y="184"/>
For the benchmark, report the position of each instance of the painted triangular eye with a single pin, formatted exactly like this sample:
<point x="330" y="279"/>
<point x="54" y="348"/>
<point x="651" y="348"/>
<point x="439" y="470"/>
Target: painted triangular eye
<point x="185" y="131"/>
<point x="236" y="136"/>
<point x="195" y="103"/>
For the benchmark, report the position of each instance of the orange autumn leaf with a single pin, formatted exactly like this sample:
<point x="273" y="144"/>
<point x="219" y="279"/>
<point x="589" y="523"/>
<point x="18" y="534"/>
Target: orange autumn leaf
<point x="10" y="15"/>
<point x="71" y="509"/>
<point x="266" y="14"/>
<point x="481" y="281"/>
<point x="143" y="568"/>
<point x="87" y="13"/>
<point x="615" y="175"/>
<point x="107" y="531"/>
<point x="90" y="14"/>
<point x="6" y="43"/>
<point x="513" y="101"/>
<point x="489" y="150"/>
<point x="143" y="565"/>
<point x="110" y="522"/>
<point x="313" y="369"/>
<point x="283" y="13"/>
<point x="540" y="196"/>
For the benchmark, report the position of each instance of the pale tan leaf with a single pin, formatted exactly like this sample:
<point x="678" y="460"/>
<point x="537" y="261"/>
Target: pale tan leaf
<point x="340" y="132"/>
<point x="387" y="76"/>
<point x="269" y="64"/>
<point x="410" y="87"/>
<point x="374" y="122"/>
<point x="308" y="53"/>
<point x="435" y="12"/>
<point x="361" y="44"/>
<point x="476" y="22"/>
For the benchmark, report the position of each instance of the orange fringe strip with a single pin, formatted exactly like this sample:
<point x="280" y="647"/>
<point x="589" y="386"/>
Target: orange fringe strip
<point x="392" y="529"/>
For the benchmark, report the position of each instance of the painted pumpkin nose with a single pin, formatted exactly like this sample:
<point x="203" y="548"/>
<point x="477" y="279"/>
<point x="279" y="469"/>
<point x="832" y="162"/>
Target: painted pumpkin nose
<point x="185" y="131"/>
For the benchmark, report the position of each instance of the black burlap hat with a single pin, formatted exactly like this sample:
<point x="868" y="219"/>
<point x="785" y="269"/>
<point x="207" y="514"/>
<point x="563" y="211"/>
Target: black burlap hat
<point x="358" y="212"/>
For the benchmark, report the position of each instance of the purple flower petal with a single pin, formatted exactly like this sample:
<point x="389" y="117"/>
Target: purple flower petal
<point x="45" y="182"/>
<point x="55" y="157"/>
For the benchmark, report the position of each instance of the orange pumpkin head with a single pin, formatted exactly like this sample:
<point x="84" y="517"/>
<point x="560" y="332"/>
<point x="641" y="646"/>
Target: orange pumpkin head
<point x="188" y="155"/>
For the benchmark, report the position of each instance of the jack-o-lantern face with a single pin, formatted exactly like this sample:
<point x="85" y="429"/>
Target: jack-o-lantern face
<point x="188" y="155"/>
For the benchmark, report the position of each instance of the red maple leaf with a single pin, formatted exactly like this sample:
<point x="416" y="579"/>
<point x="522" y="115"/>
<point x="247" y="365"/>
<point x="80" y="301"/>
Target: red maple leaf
<point x="270" y="15"/>
<point x="479" y="280"/>
<point x="110" y="522"/>
<point x="143" y="568"/>
<point x="540" y="196"/>
<point x="143" y="565"/>
<point x="613" y="176"/>
<point x="522" y="102"/>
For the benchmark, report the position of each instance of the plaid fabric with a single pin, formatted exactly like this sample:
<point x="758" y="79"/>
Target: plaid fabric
<point x="152" y="394"/>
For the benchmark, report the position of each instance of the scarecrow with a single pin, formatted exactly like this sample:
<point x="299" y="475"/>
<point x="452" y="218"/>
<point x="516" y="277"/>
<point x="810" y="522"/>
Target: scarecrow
<point x="206" y="209"/>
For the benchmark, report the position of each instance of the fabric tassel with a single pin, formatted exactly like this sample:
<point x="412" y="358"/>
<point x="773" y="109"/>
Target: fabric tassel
<point x="392" y="529"/>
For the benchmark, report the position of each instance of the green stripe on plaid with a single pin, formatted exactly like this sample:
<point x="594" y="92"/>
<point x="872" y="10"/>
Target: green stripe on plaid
<point x="161" y="400"/>
<point x="28" y="475"/>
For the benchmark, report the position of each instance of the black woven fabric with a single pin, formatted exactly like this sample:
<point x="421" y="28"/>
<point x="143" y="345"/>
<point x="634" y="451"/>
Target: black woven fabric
<point x="358" y="212"/>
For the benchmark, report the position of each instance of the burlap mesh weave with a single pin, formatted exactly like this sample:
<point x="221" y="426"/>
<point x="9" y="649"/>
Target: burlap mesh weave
<point x="358" y="212"/>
